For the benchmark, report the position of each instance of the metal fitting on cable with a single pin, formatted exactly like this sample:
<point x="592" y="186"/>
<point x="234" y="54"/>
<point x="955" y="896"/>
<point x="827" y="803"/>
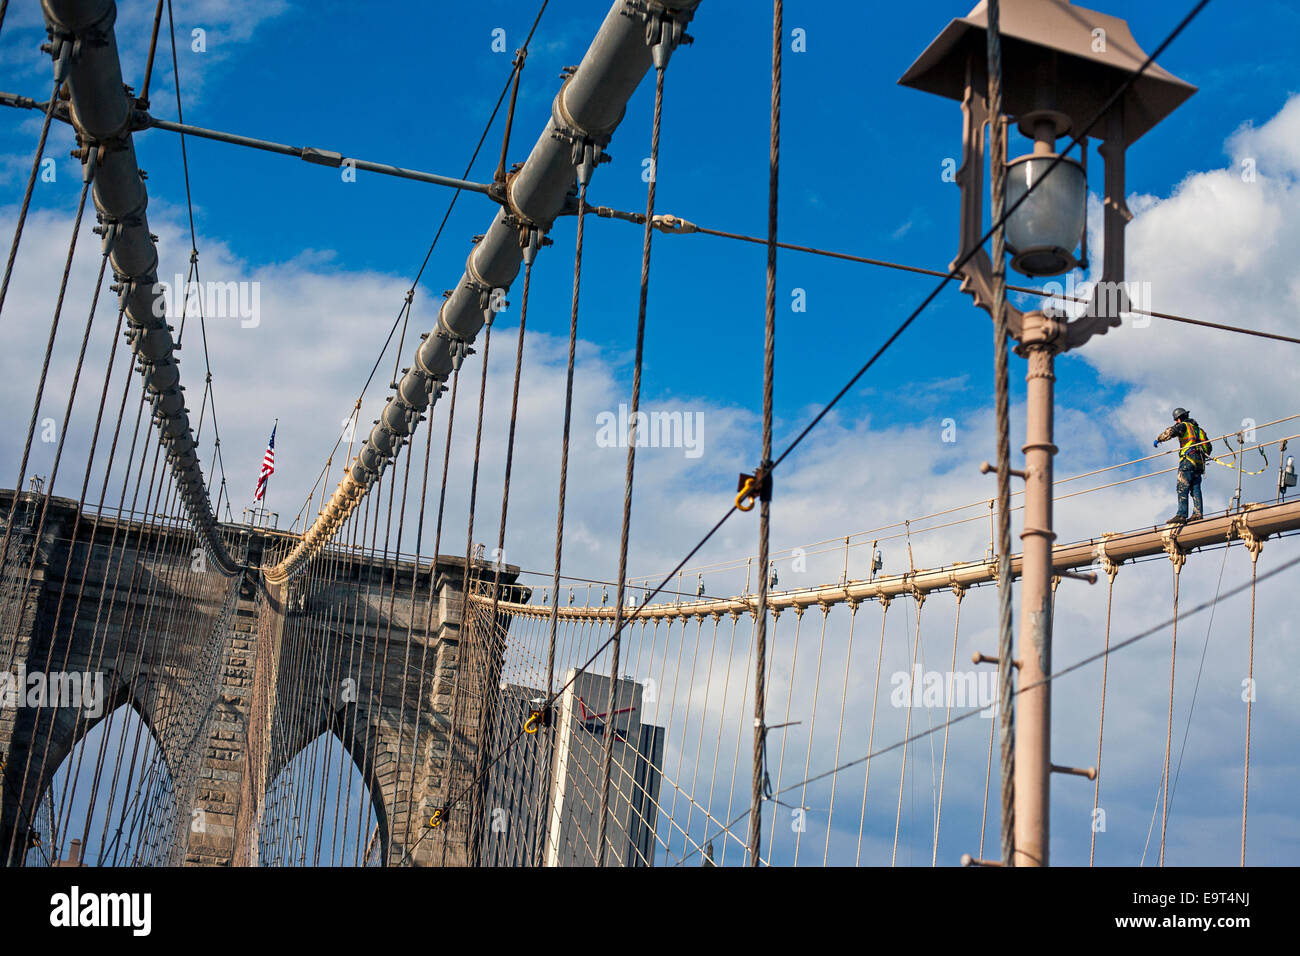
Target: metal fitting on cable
<point x="459" y="349"/>
<point x="673" y="224"/>
<point x="90" y="163"/>
<point x="664" y="30"/>
<point x="537" y="718"/>
<point x="753" y="488"/>
<point x="485" y="299"/>
<point x="532" y="239"/>
<point x="109" y="230"/>
<point x="63" y="50"/>
<point x="587" y="155"/>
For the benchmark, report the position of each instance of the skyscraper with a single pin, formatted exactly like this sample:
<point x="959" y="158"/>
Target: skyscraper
<point x="568" y="805"/>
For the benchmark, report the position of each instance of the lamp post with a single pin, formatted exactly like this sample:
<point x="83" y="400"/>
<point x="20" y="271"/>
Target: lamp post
<point x="1062" y="66"/>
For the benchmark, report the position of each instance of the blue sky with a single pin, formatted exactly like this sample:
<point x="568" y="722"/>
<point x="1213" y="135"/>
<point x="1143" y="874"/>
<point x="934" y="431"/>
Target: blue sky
<point x="861" y="172"/>
<point x="411" y="85"/>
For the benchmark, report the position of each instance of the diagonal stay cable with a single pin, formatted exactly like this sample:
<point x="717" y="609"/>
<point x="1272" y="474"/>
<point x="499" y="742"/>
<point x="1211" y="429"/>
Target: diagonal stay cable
<point x="194" y="242"/>
<point x="451" y="205"/>
<point x="1200" y="670"/>
<point x="953" y="273"/>
<point x="1077" y="665"/>
<point x="63" y="60"/>
<point x="675" y="225"/>
<point x="907" y="322"/>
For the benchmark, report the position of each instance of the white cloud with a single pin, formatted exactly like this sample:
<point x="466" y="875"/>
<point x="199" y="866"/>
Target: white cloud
<point x="229" y="26"/>
<point x="1273" y="145"/>
<point x="1220" y="248"/>
<point x="321" y="325"/>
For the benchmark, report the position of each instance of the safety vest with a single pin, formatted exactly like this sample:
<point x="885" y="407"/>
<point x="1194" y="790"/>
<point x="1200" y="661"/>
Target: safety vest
<point x="1194" y="445"/>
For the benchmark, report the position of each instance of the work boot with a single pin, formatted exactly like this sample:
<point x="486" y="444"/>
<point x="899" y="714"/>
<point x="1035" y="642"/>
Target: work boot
<point x="1196" y="516"/>
<point x="1177" y="519"/>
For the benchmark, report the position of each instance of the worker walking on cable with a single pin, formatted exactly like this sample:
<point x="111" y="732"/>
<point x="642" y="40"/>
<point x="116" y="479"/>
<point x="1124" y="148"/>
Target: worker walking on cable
<point x="1193" y="452"/>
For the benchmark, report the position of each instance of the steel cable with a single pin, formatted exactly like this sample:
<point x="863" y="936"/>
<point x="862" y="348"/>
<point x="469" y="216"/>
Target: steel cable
<point x="630" y="472"/>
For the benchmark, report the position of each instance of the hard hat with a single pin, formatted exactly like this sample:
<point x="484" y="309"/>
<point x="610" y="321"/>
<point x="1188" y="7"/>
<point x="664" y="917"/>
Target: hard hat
<point x="1180" y="413"/>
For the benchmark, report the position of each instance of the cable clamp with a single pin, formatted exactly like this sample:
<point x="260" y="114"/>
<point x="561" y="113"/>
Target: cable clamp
<point x="321" y="157"/>
<point x="665" y="29"/>
<point x="674" y="224"/>
<point x="755" y="487"/>
<point x="537" y="718"/>
<point x="531" y="239"/>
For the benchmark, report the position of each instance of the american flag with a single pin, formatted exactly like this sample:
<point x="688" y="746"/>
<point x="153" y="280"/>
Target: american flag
<point x="268" y="467"/>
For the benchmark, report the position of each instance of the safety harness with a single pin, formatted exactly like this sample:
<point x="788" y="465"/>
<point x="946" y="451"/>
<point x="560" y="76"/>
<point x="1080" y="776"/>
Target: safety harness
<point x="1194" y="445"/>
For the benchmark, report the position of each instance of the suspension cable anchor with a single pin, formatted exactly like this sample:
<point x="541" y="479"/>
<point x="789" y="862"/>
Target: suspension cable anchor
<point x="752" y="488"/>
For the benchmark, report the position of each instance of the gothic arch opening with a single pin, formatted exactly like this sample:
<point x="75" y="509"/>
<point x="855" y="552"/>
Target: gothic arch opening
<point x="111" y="800"/>
<point x="321" y="811"/>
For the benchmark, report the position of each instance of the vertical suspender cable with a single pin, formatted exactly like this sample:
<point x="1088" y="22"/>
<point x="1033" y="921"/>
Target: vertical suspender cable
<point x="488" y="723"/>
<point x="959" y="593"/>
<point x="424" y="648"/>
<point x="1250" y="700"/>
<point x="45" y="503"/>
<point x="1101" y="720"/>
<point x="871" y="733"/>
<point x="907" y="726"/>
<point x="1006" y="716"/>
<point x="661" y="51"/>
<point x="988" y="773"/>
<point x="461" y="657"/>
<point x="63" y="57"/>
<point x="839" y="733"/>
<point x="765" y="505"/>
<point x="40" y="386"/>
<point x="789" y="702"/>
<point x="1169" y="733"/>
<point x="488" y="647"/>
<point x="584" y="177"/>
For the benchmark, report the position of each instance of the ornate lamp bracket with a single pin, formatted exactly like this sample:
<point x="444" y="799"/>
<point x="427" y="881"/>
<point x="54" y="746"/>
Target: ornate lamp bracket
<point x="1109" y="300"/>
<point x="977" y="272"/>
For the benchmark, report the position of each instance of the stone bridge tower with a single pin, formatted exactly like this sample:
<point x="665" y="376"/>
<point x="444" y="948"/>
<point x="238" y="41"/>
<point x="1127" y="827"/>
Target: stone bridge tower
<point x="234" y="677"/>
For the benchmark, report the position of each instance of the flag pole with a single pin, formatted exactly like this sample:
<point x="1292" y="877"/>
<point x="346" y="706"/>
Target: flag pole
<point x="266" y="490"/>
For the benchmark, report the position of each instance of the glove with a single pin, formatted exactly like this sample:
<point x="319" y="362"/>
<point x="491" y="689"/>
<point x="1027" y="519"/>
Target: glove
<point x="1156" y="443"/>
